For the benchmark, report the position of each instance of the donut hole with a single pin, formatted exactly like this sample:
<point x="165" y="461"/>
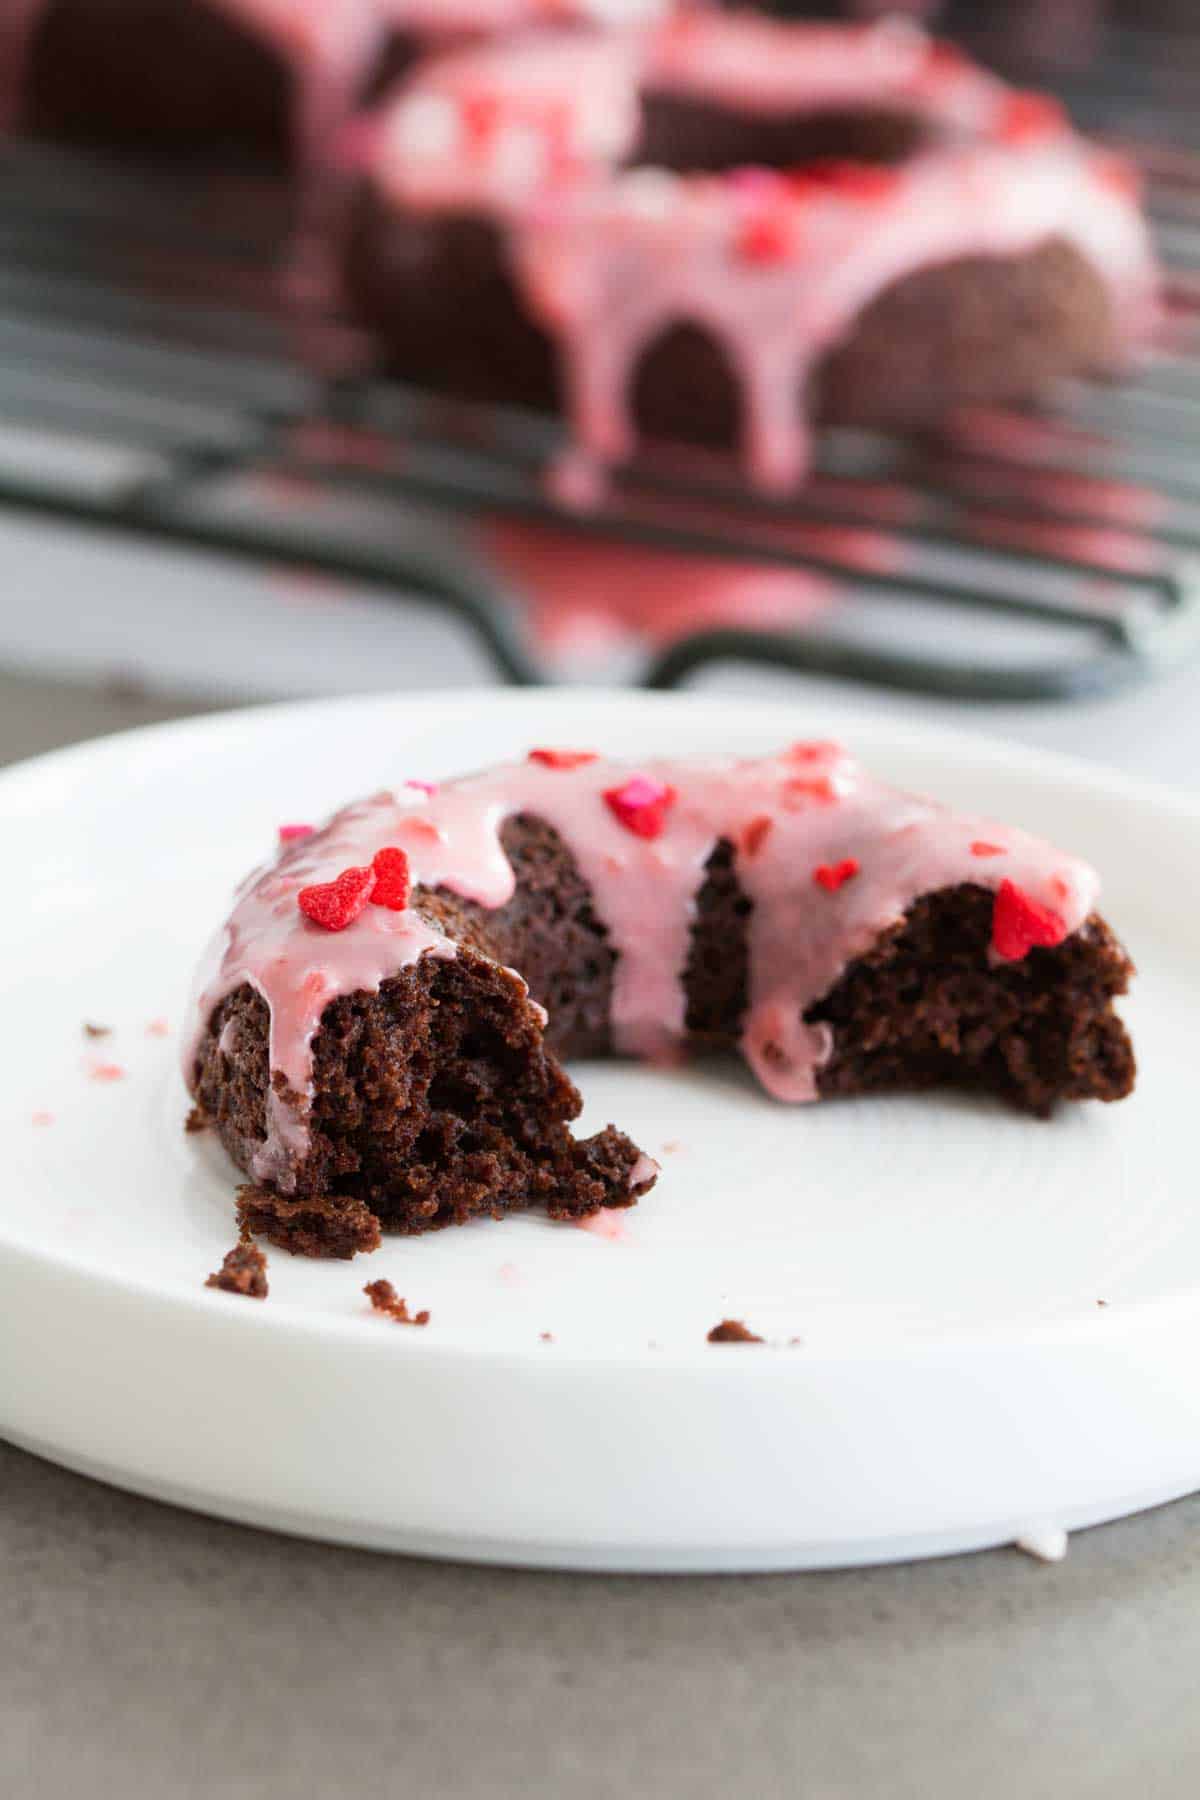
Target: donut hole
<point x="685" y="390"/>
<point x="416" y="277"/>
<point x="693" y="137"/>
<point x="181" y="75"/>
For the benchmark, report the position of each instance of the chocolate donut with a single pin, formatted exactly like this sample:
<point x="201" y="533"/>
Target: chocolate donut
<point x="375" y="1029"/>
<point x="725" y="230"/>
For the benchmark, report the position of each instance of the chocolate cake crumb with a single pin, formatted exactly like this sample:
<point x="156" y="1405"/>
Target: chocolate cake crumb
<point x="926" y="1006"/>
<point x="436" y="1098"/>
<point x="732" y="1331"/>
<point x="546" y="1337"/>
<point x="244" y="1271"/>
<point x="96" y="1031"/>
<point x="384" y="1299"/>
<point x="336" y="1226"/>
<point x="195" y="1121"/>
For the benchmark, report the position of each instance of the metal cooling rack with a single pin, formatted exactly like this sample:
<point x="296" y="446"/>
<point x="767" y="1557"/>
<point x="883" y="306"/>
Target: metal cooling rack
<point x="162" y="373"/>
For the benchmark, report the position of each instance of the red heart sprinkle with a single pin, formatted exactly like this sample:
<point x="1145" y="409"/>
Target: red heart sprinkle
<point x="945" y="58"/>
<point x="831" y="876"/>
<point x="981" y="847"/>
<point x="811" y="750"/>
<point x="481" y="117"/>
<point x="754" y="835"/>
<point x="336" y="904"/>
<point x="393" y="882"/>
<point x="641" y="805"/>
<point x="765" y="239"/>
<point x="1117" y="174"/>
<point x="856" y="181"/>
<point x="1019" y="923"/>
<point x="288" y="834"/>
<point x="797" y="793"/>
<point x="563" y="759"/>
<point x="1027" y="117"/>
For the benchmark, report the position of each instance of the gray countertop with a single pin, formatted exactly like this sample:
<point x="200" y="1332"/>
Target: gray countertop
<point x="147" y="1651"/>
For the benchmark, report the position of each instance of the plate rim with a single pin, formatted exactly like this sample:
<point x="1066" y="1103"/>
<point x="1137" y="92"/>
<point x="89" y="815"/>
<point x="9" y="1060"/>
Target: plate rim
<point x="992" y="747"/>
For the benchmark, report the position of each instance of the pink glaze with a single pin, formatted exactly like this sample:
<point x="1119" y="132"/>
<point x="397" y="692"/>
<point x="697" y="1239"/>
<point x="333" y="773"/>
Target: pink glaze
<point x="822" y="810"/>
<point x="442" y="18"/>
<point x="105" y="1071"/>
<point x="644" y="1169"/>
<point x="608" y="1223"/>
<point x="775" y="266"/>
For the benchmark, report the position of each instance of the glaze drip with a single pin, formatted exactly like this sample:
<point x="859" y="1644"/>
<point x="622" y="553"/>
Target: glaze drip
<point x="810" y="808"/>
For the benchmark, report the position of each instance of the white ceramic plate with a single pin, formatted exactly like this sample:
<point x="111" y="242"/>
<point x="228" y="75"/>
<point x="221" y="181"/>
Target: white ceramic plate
<point x="941" y="1261"/>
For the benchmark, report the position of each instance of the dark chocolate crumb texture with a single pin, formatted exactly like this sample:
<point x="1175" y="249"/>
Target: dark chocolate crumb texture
<point x="377" y="1027"/>
<point x="733" y="1331"/>
<point x="243" y="1271"/>
<point x="384" y="1299"/>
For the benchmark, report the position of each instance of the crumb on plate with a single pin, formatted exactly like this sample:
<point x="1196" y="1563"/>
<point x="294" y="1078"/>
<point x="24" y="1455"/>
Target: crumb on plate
<point x="244" y="1271"/>
<point x="732" y="1331"/>
<point x="384" y="1299"/>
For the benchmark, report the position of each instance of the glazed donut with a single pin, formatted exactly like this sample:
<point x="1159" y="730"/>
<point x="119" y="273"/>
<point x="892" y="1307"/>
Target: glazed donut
<point x="724" y="229"/>
<point x="374" y="1029"/>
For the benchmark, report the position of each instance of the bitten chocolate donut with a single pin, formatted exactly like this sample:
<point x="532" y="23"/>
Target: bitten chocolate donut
<point x="724" y="230"/>
<point x="375" y="1028"/>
